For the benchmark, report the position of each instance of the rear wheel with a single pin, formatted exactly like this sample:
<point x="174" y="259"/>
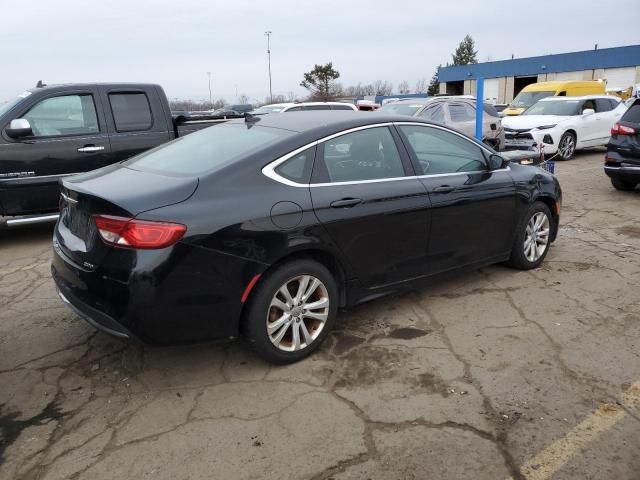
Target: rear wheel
<point x="533" y="238"/>
<point x="622" y="185"/>
<point x="567" y="146"/>
<point x="292" y="311"/>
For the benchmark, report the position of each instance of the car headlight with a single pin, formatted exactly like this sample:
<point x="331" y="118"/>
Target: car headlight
<point x="545" y="127"/>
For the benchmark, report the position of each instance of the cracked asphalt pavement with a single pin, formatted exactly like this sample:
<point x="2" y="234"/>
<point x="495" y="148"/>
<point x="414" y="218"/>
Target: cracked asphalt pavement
<point x="495" y="374"/>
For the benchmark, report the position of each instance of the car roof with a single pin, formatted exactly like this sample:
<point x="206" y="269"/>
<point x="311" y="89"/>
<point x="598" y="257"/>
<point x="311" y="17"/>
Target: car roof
<point x="323" y="121"/>
<point x="584" y="97"/>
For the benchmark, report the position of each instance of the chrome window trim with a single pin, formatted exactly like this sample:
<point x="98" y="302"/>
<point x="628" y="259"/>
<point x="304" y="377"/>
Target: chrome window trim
<point x="58" y="175"/>
<point x="269" y="169"/>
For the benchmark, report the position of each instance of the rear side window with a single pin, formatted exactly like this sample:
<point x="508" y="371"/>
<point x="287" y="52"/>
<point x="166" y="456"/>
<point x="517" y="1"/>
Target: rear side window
<point x="633" y="114"/>
<point x="298" y="168"/>
<point x="441" y="152"/>
<point x="461" y="112"/>
<point x="208" y="150"/>
<point x="369" y="154"/>
<point x="131" y="111"/>
<point x="341" y="107"/>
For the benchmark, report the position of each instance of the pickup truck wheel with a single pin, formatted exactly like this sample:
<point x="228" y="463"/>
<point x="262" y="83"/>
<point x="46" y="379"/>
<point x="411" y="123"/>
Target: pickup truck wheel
<point x="291" y="312"/>
<point x="567" y="146"/>
<point x="622" y="185"/>
<point x="533" y="238"/>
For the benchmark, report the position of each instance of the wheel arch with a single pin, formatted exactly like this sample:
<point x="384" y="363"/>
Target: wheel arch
<point x="551" y="203"/>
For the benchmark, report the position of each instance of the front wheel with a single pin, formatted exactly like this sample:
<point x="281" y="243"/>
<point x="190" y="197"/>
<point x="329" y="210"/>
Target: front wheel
<point x="533" y="238"/>
<point x="292" y="311"/>
<point x="567" y="146"/>
<point x="622" y="185"/>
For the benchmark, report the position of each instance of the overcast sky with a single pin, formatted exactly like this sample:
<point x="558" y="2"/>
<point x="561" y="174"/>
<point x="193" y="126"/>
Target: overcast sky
<point x="174" y="43"/>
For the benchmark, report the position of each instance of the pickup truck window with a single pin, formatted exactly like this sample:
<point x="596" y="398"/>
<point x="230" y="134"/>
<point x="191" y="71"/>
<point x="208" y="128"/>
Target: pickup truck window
<point x="131" y="111"/>
<point x="63" y="115"/>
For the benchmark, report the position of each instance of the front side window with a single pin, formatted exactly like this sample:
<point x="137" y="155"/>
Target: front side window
<point x="63" y="115"/>
<point x="434" y="113"/>
<point x="369" y="154"/>
<point x="588" y="104"/>
<point x="131" y="111"/>
<point x="441" y="152"/>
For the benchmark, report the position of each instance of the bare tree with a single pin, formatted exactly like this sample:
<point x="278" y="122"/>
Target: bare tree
<point x="242" y="99"/>
<point x="368" y="89"/>
<point x="382" y="87"/>
<point x="403" y="87"/>
<point x="422" y="85"/>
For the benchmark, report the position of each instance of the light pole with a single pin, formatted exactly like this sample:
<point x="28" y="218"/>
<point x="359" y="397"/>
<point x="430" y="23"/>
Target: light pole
<point x="268" y="34"/>
<point x="210" y="97"/>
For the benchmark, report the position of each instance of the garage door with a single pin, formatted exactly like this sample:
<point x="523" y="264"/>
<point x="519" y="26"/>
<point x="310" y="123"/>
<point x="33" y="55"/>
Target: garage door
<point x="620" y="77"/>
<point x="565" y="76"/>
<point x="491" y="90"/>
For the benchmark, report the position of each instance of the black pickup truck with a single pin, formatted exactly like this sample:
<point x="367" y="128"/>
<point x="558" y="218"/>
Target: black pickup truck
<point x="50" y="132"/>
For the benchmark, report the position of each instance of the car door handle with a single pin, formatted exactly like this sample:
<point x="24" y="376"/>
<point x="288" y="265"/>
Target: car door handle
<point x="90" y="148"/>
<point x="346" y="203"/>
<point x="444" y="189"/>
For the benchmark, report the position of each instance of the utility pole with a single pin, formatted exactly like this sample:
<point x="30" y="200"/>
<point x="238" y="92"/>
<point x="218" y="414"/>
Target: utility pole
<point x="268" y="34"/>
<point x="210" y="97"/>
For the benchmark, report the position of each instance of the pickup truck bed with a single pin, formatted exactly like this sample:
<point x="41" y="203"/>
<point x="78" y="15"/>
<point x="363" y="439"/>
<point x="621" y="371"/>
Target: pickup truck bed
<point x="75" y="128"/>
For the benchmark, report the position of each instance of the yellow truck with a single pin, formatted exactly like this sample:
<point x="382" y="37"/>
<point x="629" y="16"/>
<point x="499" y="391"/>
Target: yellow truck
<point x="537" y="91"/>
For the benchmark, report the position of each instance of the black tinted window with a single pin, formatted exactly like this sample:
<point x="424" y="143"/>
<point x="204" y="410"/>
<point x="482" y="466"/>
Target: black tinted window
<point x="208" y="150"/>
<point x="368" y="154"/>
<point x="295" y="109"/>
<point x="603" y="105"/>
<point x="298" y="168"/>
<point x="131" y="111"/>
<point x="439" y="151"/>
<point x="317" y="107"/>
<point x="633" y="114"/>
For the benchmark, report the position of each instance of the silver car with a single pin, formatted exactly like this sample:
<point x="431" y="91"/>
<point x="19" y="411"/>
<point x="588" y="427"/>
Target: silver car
<point x="458" y="112"/>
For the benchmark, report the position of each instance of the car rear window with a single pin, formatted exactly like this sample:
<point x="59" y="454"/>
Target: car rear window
<point x="131" y="111"/>
<point x="208" y="150"/>
<point x="633" y="114"/>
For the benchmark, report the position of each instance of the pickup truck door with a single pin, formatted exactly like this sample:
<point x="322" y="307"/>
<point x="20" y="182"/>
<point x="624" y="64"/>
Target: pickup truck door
<point x="69" y="136"/>
<point x="136" y="119"/>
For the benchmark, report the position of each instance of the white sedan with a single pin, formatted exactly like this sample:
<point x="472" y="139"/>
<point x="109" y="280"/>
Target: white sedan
<point x="560" y="125"/>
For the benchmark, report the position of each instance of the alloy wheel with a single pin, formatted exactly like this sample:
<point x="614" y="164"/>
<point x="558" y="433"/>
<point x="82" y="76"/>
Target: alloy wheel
<point x="297" y="313"/>
<point x="536" y="236"/>
<point x="567" y="146"/>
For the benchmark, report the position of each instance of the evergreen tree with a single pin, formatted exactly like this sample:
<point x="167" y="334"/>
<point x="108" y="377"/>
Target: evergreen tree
<point x="320" y="81"/>
<point x="434" y="85"/>
<point x="465" y="53"/>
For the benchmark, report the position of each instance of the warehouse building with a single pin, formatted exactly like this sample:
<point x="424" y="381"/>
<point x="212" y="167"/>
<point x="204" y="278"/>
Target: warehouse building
<point x="619" y="67"/>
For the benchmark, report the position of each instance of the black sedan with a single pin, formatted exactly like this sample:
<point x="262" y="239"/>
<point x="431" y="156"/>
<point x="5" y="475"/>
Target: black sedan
<point x="622" y="162"/>
<point x="264" y="227"/>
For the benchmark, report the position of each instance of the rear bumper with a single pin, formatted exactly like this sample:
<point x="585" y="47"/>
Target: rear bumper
<point x="179" y="295"/>
<point x="623" y="172"/>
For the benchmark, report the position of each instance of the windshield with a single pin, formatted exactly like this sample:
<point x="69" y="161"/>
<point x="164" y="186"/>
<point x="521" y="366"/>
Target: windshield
<point x="526" y="99"/>
<point x="555" y="107"/>
<point x="207" y="150"/>
<point x="267" y="109"/>
<point x="400" y="108"/>
<point x="5" y="107"/>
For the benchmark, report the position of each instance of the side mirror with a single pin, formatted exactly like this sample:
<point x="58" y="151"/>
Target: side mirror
<point x="18" y="128"/>
<point x="496" y="162"/>
<point x="588" y="111"/>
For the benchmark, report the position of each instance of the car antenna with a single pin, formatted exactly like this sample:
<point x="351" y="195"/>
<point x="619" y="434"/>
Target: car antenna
<point x="40" y="84"/>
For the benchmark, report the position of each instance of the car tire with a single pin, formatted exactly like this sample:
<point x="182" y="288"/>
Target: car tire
<point x="536" y="226"/>
<point x="622" y="185"/>
<point x="567" y="146"/>
<point x="283" y="329"/>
